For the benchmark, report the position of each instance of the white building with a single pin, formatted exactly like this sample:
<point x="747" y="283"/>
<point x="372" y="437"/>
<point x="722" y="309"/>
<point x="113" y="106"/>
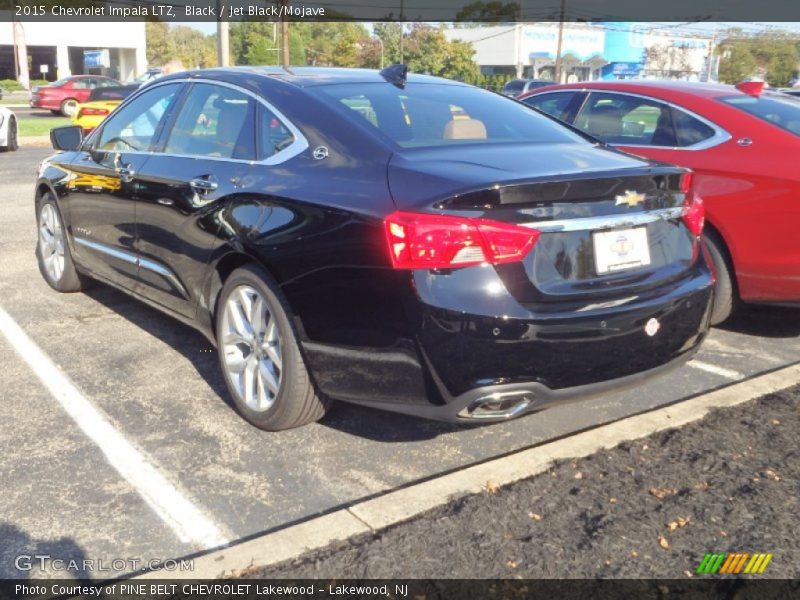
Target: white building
<point x="529" y="50"/>
<point x="590" y="51"/>
<point x="57" y="50"/>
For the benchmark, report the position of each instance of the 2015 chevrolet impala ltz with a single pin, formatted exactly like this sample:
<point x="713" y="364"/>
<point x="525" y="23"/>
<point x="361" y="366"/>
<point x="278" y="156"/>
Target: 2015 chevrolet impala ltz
<point x="406" y="242"/>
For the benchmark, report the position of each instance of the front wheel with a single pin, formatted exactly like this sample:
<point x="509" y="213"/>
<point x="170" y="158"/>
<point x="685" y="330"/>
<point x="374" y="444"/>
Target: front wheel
<point x="52" y="251"/>
<point x="259" y="354"/>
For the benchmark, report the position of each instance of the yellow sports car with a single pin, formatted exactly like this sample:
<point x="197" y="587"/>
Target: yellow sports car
<point x="101" y="102"/>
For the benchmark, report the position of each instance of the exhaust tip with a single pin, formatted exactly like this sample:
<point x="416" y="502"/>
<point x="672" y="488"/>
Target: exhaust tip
<point x="501" y="405"/>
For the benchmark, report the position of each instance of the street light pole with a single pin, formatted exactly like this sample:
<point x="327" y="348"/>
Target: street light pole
<point x="380" y="41"/>
<point x="285" y="36"/>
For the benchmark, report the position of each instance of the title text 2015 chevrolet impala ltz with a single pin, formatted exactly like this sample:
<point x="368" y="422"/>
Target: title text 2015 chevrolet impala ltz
<point x="406" y="242"/>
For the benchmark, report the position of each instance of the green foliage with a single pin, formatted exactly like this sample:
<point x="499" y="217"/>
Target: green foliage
<point x="12" y="85"/>
<point x="182" y="43"/>
<point x="774" y="56"/>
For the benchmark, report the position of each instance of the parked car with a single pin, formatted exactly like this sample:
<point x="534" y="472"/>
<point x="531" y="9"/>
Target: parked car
<point x="742" y="144"/>
<point x="64" y="96"/>
<point x="340" y="234"/>
<point x="516" y="87"/>
<point x="99" y="105"/>
<point x="9" y="134"/>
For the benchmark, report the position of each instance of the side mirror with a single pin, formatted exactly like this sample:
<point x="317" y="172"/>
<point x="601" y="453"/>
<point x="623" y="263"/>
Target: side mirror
<point x="66" y="138"/>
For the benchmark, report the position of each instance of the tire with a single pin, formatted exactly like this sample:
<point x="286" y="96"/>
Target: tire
<point x="68" y="107"/>
<point x="725" y="295"/>
<point x="52" y="250"/>
<point x="12" y="139"/>
<point x="265" y="373"/>
<point x="56" y="112"/>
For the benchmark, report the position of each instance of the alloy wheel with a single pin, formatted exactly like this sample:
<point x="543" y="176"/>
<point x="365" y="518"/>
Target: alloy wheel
<point x="51" y="242"/>
<point x="251" y="347"/>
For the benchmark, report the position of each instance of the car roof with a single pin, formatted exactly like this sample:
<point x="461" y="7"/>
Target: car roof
<point x="653" y="86"/>
<point x="300" y="76"/>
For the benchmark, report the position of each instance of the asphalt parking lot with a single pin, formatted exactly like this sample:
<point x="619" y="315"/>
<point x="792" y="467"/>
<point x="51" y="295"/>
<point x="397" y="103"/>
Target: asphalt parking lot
<point x="142" y="384"/>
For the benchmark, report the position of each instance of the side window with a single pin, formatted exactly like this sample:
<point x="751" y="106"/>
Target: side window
<point x="627" y="120"/>
<point x="81" y="84"/>
<point x="215" y="121"/>
<point x="273" y="135"/>
<point x="690" y="131"/>
<point x="133" y="128"/>
<point x="554" y="104"/>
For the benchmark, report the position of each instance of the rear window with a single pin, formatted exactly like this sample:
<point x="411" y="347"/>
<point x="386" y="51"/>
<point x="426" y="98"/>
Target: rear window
<point x="783" y="112"/>
<point x="515" y="85"/>
<point x="429" y="115"/>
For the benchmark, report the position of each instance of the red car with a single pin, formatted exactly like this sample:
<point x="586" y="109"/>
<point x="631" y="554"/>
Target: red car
<point x="64" y="96"/>
<point x="743" y="144"/>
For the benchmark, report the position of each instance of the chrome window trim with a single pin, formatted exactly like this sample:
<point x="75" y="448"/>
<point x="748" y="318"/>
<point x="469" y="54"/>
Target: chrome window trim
<point x="299" y="145"/>
<point x="606" y="221"/>
<point x="720" y="135"/>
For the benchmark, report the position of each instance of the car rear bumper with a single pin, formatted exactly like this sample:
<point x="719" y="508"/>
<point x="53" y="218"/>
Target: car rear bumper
<point x="523" y="357"/>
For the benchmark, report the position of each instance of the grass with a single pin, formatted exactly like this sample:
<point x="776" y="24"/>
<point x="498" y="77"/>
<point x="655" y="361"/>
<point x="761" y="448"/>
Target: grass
<point x="40" y="125"/>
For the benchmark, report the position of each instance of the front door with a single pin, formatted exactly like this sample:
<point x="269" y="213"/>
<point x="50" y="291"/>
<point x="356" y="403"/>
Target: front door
<point x="102" y="186"/>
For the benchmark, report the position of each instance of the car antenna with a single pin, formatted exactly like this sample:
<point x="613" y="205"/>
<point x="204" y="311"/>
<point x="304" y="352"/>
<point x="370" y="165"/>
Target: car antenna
<point x="395" y="74"/>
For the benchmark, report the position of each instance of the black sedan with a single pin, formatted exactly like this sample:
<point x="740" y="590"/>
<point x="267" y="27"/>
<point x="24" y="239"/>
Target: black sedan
<point x="410" y="243"/>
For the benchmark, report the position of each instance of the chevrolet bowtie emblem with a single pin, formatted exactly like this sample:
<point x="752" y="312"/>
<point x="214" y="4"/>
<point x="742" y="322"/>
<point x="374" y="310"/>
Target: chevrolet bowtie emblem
<point x="630" y="198"/>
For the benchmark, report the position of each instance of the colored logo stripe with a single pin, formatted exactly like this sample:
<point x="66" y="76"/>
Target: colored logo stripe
<point x="733" y="563"/>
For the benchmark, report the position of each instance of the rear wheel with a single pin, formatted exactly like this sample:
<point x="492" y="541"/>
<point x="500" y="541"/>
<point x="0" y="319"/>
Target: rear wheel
<point x="725" y="296"/>
<point x="69" y="107"/>
<point x="52" y="251"/>
<point x="259" y="355"/>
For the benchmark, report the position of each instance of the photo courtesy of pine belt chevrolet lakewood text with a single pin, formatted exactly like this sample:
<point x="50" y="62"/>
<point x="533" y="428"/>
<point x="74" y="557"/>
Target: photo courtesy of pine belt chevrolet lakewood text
<point x="402" y="241"/>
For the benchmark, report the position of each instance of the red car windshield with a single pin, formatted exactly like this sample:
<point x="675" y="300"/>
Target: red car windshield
<point x="781" y="111"/>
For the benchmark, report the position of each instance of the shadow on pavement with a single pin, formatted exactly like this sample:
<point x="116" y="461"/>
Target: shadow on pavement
<point x="372" y="424"/>
<point x="764" y="321"/>
<point x="21" y="555"/>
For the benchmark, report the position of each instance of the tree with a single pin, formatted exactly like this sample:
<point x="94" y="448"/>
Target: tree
<point x="160" y="45"/>
<point x="389" y="33"/>
<point x="458" y="62"/>
<point x="669" y="60"/>
<point x="737" y="63"/>
<point x="332" y="43"/>
<point x="193" y="48"/>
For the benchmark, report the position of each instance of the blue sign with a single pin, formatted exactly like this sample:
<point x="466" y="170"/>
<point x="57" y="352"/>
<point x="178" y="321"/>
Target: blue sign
<point x="96" y="59"/>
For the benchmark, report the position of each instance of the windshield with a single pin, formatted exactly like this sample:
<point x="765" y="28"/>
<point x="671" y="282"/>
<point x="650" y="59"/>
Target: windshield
<point x="429" y="115"/>
<point x="782" y="111"/>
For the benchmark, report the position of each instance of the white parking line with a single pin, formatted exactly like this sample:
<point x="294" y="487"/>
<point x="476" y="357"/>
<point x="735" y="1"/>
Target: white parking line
<point x="721" y="371"/>
<point x="188" y="523"/>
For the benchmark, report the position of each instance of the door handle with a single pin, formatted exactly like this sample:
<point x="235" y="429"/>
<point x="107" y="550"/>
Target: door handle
<point x="126" y="174"/>
<point x="203" y="184"/>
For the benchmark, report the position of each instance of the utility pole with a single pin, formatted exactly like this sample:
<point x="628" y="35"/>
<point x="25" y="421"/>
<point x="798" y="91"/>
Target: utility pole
<point x="223" y="39"/>
<point x="285" y="35"/>
<point x="560" y="40"/>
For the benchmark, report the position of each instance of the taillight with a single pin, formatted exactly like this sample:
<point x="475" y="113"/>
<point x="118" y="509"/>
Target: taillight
<point x="92" y="111"/>
<point x="693" y="209"/>
<point x="423" y="241"/>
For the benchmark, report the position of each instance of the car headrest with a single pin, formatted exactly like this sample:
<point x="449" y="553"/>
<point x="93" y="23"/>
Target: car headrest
<point x="604" y="120"/>
<point x="465" y="129"/>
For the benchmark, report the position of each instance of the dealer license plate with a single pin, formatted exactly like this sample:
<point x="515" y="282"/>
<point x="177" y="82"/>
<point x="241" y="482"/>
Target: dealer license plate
<point x="621" y="249"/>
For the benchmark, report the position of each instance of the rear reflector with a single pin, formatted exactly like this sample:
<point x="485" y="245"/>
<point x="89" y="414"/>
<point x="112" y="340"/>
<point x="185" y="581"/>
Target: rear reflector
<point x="423" y="241"/>
<point x="693" y="209"/>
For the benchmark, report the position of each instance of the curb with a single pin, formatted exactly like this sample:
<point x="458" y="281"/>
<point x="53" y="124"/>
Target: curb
<point x="401" y="505"/>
